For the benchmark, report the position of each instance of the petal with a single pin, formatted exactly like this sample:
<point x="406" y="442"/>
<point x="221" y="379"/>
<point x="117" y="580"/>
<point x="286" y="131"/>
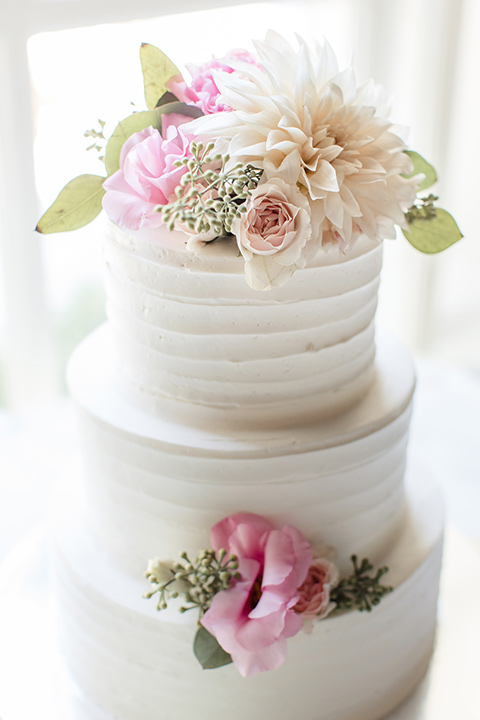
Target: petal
<point x="334" y="208"/>
<point x="279" y="558"/>
<point x="257" y="634"/>
<point x="221" y="533"/>
<point x="324" y="178"/>
<point x="302" y="550"/>
<point x="134" y="140"/>
<point x="248" y="541"/>
<point x="289" y="168"/>
<point x="269" y="658"/>
<point x="125" y="207"/>
<point x="130" y="211"/>
<point x="293" y="624"/>
<point x="270" y="603"/>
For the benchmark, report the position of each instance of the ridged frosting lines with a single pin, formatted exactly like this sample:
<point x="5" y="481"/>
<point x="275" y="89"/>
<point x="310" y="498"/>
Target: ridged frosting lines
<point x="155" y="486"/>
<point x="191" y="337"/>
<point x="145" y="500"/>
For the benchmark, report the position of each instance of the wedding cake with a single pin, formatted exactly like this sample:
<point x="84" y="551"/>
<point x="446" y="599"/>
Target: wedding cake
<point x="243" y="427"/>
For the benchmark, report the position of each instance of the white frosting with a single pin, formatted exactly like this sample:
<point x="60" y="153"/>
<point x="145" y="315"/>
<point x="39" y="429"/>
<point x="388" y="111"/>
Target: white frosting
<point x="195" y="342"/>
<point x="156" y="487"/>
<point x="202" y="397"/>
<point x="136" y="663"/>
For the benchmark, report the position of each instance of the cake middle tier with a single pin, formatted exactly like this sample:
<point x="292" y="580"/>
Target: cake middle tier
<point x="193" y="341"/>
<point x="153" y="486"/>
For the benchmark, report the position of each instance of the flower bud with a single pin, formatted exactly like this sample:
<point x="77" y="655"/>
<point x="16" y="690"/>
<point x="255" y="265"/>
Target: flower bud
<point x="159" y="571"/>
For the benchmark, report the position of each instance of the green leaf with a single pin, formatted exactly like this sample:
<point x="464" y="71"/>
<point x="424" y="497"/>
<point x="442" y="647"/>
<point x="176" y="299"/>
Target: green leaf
<point x="432" y="235"/>
<point x="157" y="70"/>
<point x="420" y="165"/>
<point x="166" y="98"/>
<point x="179" y="108"/>
<point x="139" y="121"/>
<point x="208" y="652"/>
<point x="77" y="204"/>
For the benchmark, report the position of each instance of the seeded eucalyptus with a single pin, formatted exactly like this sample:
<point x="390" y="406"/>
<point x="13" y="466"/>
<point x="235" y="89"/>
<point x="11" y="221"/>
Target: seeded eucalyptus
<point x="98" y="137"/>
<point x="197" y="581"/>
<point x="423" y="209"/>
<point x="361" y="590"/>
<point x="210" y="197"/>
<point x="430" y="228"/>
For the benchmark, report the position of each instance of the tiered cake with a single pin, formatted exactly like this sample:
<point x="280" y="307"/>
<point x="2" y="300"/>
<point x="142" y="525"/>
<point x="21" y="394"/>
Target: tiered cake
<point x="202" y="397"/>
<point x="238" y="411"/>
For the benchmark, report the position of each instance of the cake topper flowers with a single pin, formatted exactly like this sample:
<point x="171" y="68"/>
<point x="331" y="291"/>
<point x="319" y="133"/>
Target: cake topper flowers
<point x="257" y="587"/>
<point x="279" y="152"/>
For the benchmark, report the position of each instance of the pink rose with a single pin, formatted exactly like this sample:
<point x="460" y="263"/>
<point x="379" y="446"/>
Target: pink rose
<point x="203" y="92"/>
<point x="253" y="619"/>
<point x="314" y="601"/>
<point x="147" y="176"/>
<point x="273" y="233"/>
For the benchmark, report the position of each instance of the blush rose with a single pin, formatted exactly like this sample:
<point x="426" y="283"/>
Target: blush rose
<point x="314" y="593"/>
<point x="253" y="619"/>
<point x="272" y="233"/>
<point x="147" y="176"/>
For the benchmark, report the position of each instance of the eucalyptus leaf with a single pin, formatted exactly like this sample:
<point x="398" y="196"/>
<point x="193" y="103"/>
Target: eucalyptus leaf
<point x="432" y="235"/>
<point x="208" y="652"/>
<point x="166" y="98"/>
<point x="180" y="108"/>
<point x="77" y="204"/>
<point x="139" y="121"/>
<point x="157" y="70"/>
<point x="420" y="165"/>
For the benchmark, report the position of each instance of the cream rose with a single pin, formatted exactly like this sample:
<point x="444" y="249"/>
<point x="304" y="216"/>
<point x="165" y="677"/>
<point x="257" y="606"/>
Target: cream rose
<point x="273" y="233"/>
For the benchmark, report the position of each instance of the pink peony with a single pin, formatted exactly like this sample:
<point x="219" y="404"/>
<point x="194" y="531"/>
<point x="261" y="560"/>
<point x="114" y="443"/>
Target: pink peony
<point x="147" y="176"/>
<point x="203" y="92"/>
<point x="314" y="601"/>
<point x="253" y="619"/>
<point x="272" y="233"/>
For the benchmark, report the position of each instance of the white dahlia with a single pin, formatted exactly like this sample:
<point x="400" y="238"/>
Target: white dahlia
<point x="301" y="120"/>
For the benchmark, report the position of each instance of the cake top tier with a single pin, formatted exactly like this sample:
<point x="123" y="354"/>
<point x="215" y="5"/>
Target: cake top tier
<point x="195" y="343"/>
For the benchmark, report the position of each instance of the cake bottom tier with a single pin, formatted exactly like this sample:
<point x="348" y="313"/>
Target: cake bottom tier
<point x="134" y="663"/>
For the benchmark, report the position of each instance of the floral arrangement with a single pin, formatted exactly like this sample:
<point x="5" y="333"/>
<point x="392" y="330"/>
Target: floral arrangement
<point x="257" y="587"/>
<point x="279" y="151"/>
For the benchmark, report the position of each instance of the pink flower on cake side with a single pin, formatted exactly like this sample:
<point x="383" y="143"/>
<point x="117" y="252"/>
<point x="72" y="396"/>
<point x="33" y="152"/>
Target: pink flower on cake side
<point x="314" y="601"/>
<point x="272" y="233"/>
<point x="203" y="91"/>
<point x="252" y="619"/>
<point x="147" y="176"/>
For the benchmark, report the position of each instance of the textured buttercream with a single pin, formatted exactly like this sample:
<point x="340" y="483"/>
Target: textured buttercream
<point x="155" y="486"/>
<point x="195" y="342"/>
